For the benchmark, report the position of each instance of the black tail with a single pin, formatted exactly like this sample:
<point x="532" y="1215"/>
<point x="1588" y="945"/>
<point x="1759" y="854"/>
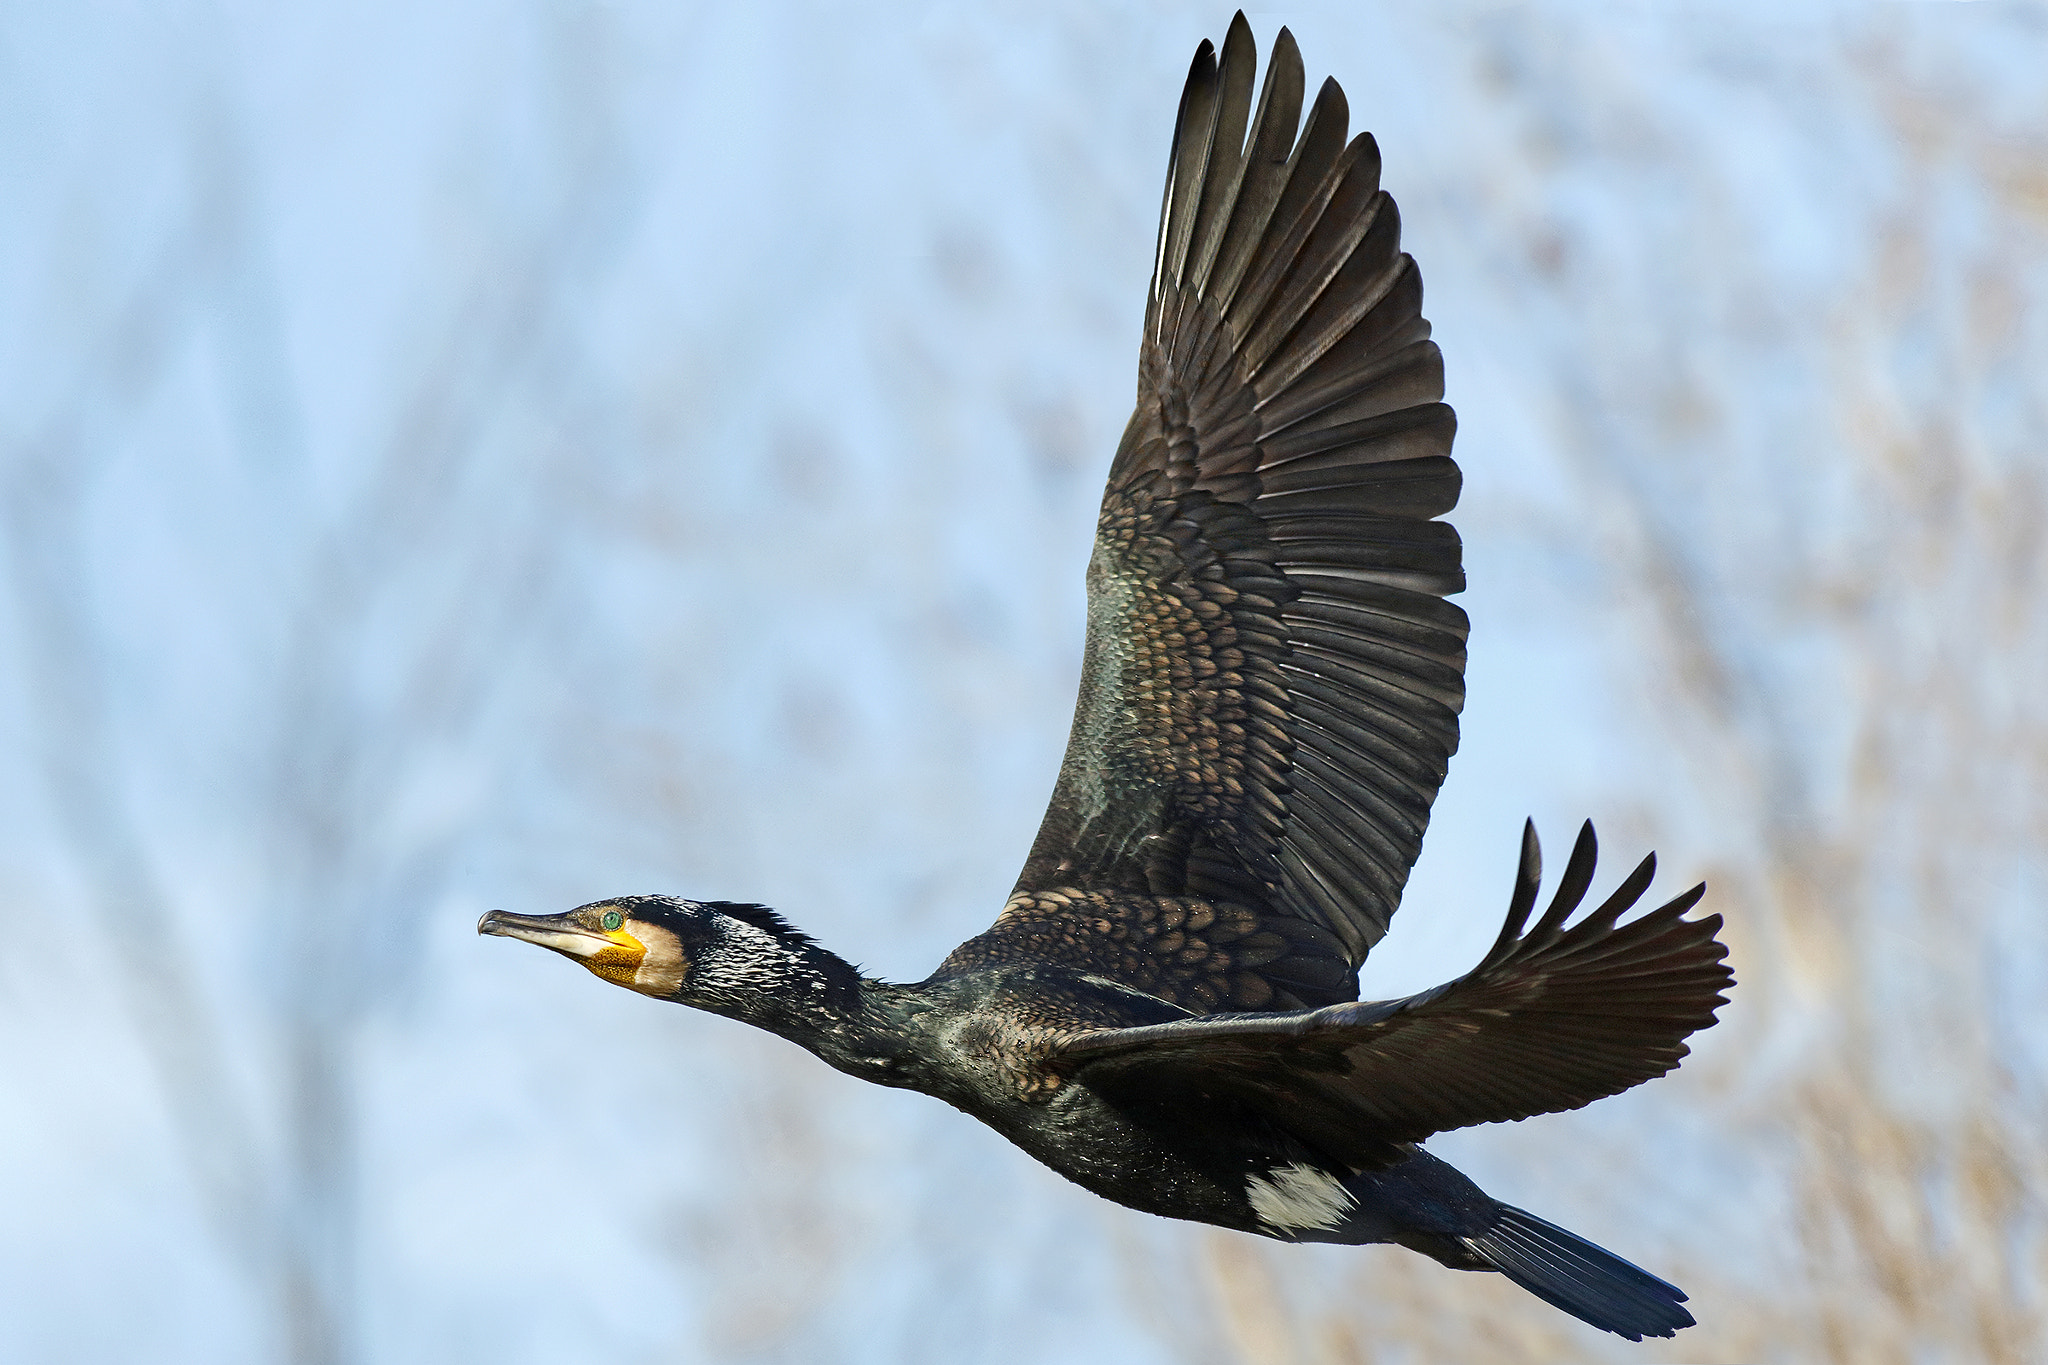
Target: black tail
<point x="1591" y="1284"/>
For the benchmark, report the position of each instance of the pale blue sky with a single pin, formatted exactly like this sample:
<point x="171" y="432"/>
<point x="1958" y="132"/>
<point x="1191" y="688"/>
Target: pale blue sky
<point x="515" y="453"/>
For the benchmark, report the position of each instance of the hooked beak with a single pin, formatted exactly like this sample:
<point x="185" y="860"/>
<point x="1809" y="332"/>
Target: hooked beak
<point x="558" y="932"/>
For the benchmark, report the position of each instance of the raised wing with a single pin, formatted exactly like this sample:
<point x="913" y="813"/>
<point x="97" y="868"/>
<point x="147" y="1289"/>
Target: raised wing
<point x="1272" y="681"/>
<point x="1546" y="1022"/>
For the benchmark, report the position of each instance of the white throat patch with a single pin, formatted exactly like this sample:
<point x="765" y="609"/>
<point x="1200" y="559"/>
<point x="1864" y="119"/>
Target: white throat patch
<point x="663" y="964"/>
<point x="1299" y="1196"/>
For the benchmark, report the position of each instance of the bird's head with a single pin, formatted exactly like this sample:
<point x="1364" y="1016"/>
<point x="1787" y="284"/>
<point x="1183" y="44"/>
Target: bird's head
<point x="712" y="954"/>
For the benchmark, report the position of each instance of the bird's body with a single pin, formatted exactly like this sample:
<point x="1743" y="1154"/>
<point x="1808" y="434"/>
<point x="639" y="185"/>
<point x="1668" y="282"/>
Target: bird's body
<point x="1165" y="1010"/>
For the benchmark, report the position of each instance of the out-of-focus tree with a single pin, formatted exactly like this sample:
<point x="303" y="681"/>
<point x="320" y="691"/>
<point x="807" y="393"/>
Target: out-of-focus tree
<point x="551" y="451"/>
<point x="358" y="629"/>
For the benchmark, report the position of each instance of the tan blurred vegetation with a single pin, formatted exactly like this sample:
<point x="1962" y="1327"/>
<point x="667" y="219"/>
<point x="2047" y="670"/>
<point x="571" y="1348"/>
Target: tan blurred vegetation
<point x="1887" y="920"/>
<point x="1819" y="513"/>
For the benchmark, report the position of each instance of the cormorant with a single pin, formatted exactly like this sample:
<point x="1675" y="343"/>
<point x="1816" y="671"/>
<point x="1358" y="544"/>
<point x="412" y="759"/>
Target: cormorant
<point x="1166" y="1009"/>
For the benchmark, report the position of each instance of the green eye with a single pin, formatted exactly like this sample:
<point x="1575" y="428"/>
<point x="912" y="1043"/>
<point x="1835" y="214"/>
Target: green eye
<point x="613" y="919"/>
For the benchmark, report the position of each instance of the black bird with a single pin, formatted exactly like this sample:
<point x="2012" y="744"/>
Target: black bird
<point x="1166" y="1010"/>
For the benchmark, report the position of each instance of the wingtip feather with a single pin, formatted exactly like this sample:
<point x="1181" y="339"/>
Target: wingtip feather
<point x="1528" y="878"/>
<point x="1571" y="888"/>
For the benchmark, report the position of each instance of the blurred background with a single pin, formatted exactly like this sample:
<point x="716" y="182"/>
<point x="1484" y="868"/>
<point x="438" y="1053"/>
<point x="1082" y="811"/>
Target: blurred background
<point x="509" y="453"/>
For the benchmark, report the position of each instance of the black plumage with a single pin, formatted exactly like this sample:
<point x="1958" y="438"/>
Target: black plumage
<point x="1165" y="1010"/>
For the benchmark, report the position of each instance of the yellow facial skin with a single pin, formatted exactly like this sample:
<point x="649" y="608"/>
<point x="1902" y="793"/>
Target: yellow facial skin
<point x="620" y="962"/>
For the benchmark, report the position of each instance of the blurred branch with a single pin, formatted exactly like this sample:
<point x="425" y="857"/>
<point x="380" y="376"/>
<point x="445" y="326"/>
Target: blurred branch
<point x="1913" y="1196"/>
<point x="403" y="617"/>
<point x="48" y="482"/>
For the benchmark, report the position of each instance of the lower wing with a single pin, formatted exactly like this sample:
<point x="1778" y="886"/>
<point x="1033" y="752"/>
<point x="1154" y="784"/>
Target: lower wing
<point x="1548" y="1021"/>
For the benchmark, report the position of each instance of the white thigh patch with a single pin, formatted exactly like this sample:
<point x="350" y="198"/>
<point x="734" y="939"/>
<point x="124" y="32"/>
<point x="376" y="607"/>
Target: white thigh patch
<point x="1299" y="1196"/>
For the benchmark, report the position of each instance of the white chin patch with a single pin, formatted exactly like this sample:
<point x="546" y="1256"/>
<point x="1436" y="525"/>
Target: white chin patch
<point x="662" y="964"/>
<point x="1292" y="1198"/>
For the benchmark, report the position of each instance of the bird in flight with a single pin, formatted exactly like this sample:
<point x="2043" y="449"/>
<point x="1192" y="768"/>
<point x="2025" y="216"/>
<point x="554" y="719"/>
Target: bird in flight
<point x="1166" y="1011"/>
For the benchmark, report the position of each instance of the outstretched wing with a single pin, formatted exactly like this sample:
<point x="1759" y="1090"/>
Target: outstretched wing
<point x="1272" y="679"/>
<point x="1548" y="1021"/>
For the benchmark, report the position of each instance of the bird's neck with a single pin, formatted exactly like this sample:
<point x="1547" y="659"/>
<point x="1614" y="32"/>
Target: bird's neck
<point x="820" y="1002"/>
<point x="873" y="1036"/>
